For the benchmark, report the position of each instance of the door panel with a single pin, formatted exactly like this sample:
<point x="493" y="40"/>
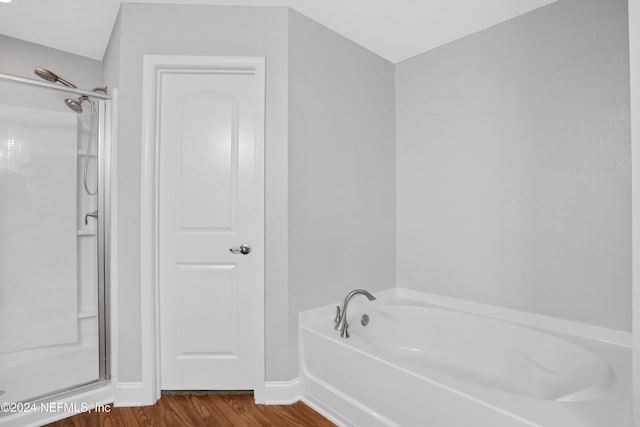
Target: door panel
<point x="208" y="126"/>
<point x="207" y="307"/>
<point x="210" y="200"/>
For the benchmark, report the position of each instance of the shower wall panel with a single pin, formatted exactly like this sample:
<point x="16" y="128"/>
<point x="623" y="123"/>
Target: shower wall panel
<point x="38" y="262"/>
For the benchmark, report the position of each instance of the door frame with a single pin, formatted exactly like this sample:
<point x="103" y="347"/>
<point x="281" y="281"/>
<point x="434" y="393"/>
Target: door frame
<point x="154" y="67"/>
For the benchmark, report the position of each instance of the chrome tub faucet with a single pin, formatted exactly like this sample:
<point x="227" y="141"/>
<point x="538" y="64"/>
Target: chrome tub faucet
<point x="341" y="315"/>
<point x="93" y="215"/>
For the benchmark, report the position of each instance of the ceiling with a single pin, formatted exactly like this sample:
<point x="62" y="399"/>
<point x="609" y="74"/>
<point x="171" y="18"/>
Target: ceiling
<point x="394" y="29"/>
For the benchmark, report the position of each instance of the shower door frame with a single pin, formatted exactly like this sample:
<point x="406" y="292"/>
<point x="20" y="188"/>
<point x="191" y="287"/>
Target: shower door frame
<point x="101" y="390"/>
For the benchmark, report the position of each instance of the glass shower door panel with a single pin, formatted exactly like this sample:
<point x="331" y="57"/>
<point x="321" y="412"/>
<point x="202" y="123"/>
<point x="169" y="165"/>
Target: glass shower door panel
<point x="48" y="267"/>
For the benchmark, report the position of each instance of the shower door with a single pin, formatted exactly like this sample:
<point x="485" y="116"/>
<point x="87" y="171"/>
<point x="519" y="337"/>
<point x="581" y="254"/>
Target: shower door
<point x="52" y="328"/>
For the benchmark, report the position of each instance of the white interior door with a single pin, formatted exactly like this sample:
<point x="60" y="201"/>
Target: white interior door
<point x="210" y="200"/>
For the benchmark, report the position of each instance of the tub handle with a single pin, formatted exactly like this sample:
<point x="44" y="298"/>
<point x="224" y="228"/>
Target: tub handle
<point x="337" y="319"/>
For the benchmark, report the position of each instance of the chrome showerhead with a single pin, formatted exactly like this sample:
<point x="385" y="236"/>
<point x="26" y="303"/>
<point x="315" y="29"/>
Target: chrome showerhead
<point x="75" y="104"/>
<point x="50" y="76"/>
<point x="46" y="74"/>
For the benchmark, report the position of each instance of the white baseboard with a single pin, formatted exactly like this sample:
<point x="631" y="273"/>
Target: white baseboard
<point x="55" y="410"/>
<point x="129" y="394"/>
<point x="326" y="412"/>
<point x="275" y="393"/>
<point x="282" y="392"/>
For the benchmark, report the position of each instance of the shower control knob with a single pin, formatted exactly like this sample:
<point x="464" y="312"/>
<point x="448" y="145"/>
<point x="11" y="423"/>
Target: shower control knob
<point x="244" y="249"/>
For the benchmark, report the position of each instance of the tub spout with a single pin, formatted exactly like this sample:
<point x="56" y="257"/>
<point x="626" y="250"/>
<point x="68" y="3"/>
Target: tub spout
<point x="342" y="325"/>
<point x="93" y="215"/>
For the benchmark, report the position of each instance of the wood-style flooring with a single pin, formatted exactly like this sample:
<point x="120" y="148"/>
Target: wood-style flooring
<point x="201" y="410"/>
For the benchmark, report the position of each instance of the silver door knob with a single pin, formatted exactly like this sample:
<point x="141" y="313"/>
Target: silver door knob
<point x="244" y="249"/>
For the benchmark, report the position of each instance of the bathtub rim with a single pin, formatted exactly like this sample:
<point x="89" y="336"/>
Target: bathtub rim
<point x="518" y="317"/>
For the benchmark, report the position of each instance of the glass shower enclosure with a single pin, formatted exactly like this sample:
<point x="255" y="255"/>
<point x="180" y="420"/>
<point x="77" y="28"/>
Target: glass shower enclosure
<point x="53" y="244"/>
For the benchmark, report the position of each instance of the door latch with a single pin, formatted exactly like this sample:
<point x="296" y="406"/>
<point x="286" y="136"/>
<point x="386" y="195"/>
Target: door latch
<point x="244" y="249"/>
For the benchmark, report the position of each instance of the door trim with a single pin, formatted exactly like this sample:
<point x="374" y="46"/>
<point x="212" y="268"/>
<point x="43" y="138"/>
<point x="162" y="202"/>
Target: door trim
<point x="153" y="68"/>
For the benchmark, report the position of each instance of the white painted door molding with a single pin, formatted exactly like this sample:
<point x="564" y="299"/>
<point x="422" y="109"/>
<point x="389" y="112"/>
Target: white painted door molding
<point x="155" y="67"/>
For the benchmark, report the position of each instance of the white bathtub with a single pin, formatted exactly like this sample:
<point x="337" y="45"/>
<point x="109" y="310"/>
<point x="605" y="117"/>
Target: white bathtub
<point x="425" y="360"/>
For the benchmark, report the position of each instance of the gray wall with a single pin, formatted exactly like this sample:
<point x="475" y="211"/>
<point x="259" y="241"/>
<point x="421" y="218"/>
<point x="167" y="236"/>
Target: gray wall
<point x="21" y="58"/>
<point x="111" y="60"/>
<point x="200" y="30"/>
<point x="634" y="49"/>
<point x="341" y="108"/>
<point x="513" y="165"/>
<point x="341" y="169"/>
